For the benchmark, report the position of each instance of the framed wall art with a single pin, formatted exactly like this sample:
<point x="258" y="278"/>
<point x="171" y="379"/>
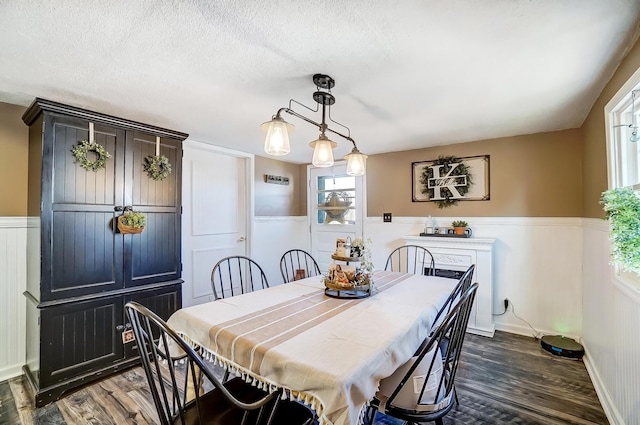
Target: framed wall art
<point x="449" y="179"/>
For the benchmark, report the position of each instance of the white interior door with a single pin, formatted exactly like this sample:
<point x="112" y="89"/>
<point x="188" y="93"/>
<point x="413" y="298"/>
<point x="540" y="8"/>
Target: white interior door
<point x="335" y="206"/>
<point x="215" y="214"/>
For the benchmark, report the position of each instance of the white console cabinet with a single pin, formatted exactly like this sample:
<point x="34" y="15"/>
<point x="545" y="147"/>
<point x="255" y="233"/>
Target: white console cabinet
<point x="458" y="254"/>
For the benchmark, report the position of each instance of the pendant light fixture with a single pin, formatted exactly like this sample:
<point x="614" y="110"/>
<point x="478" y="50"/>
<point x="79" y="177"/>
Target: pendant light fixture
<point x="277" y="137"/>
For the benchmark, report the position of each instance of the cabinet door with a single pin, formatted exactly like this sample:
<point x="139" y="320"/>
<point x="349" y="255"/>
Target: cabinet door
<point x="79" y="337"/>
<point x="154" y="255"/>
<point x="163" y="301"/>
<point x="80" y="251"/>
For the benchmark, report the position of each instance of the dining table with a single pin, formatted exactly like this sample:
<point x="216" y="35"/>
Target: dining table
<point x="326" y="352"/>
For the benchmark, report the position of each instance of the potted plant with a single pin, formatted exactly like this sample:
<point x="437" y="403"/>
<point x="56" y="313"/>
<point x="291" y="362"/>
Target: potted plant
<point x="132" y="222"/>
<point x="622" y="209"/>
<point x="459" y="227"/>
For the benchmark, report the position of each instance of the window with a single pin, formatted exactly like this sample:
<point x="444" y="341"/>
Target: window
<point x="336" y="199"/>
<point x="622" y="118"/>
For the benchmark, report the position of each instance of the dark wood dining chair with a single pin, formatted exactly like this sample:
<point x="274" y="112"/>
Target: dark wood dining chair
<point x="178" y="388"/>
<point x="411" y="259"/>
<point x="298" y="264"/>
<point x="236" y="275"/>
<point x="432" y="370"/>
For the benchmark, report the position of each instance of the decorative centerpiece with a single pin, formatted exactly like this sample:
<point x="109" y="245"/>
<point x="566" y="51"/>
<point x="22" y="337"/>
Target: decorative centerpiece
<point x="344" y="280"/>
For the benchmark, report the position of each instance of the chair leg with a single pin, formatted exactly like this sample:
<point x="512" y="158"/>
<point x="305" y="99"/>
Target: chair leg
<point x="455" y="394"/>
<point x="439" y="421"/>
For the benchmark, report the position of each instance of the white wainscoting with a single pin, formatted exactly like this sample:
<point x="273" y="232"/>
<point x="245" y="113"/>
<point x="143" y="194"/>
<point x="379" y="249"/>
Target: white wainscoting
<point x="272" y="237"/>
<point x="611" y="329"/>
<point x="537" y="266"/>
<point x="13" y="280"/>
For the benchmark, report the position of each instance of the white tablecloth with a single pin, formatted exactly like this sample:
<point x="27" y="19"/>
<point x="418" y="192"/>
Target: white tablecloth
<point x="329" y="353"/>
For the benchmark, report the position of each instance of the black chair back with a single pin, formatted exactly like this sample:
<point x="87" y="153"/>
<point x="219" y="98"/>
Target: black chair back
<point x="411" y="259"/>
<point x="176" y="386"/>
<point x="461" y="287"/>
<point x="298" y="264"/>
<point x="432" y="371"/>
<point x="236" y="275"/>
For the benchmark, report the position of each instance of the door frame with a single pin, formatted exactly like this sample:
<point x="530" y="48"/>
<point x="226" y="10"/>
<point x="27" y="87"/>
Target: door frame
<point x="249" y="173"/>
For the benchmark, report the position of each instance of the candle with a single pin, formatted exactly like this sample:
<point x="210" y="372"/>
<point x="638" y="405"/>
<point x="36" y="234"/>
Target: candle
<point x="157" y="146"/>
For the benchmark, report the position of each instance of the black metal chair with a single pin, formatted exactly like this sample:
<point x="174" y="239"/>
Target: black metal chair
<point x="236" y="275"/>
<point x="461" y="287"/>
<point x="422" y="390"/>
<point x="297" y="264"/>
<point x="411" y="259"/>
<point x="177" y="388"/>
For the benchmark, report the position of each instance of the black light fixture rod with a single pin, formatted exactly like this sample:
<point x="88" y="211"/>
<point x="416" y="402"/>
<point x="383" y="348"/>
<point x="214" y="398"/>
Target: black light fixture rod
<point x="310" y="121"/>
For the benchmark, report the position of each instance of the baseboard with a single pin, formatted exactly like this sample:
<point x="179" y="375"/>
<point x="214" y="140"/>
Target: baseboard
<point x="527" y="331"/>
<point x="603" y="395"/>
<point x="9" y="372"/>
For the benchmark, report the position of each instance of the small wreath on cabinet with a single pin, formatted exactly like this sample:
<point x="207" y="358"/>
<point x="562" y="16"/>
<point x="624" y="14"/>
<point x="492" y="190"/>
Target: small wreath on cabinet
<point x="157" y="167"/>
<point x="81" y="150"/>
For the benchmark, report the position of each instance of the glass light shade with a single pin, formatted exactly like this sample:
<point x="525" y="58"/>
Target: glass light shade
<point x="634" y="135"/>
<point x="356" y="163"/>
<point x="322" y="151"/>
<point x="276" y="141"/>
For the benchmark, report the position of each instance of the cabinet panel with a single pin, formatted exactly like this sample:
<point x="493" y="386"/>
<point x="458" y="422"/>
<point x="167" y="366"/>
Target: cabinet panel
<point x="79" y="337"/>
<point x="163" y="301"/>
<point x="80" y="251"/>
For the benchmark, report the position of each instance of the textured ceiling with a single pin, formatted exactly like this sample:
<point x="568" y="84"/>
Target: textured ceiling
<point x="409" y="74"/>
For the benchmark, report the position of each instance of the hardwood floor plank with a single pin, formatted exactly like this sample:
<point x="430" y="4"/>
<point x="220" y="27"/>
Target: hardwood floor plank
<point x="503" y="380"/>
<point x="8" y="409"/>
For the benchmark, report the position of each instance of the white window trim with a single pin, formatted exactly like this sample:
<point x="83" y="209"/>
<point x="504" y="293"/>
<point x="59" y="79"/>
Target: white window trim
<point x="628" y="282"/>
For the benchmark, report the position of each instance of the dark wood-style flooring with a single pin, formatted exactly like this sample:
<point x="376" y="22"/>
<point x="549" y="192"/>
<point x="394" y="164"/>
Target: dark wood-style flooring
<point x="507" y="379"/>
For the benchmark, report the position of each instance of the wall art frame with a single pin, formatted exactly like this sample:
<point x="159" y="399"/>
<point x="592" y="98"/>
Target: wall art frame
<point x="476" y="169"/>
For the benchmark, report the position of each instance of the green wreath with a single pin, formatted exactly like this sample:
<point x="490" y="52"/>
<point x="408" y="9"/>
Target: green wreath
<point x="81" y="150"/>
<point x="157" y="167"/>
<point x="461" y="170"/>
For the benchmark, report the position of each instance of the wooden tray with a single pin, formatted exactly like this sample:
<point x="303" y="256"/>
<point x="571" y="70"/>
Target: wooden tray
<point x="346" y="259"/>
<point x="337" y="291"/>
<point x="445" y="235"/>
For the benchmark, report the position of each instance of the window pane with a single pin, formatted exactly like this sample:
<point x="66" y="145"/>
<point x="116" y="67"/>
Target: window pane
<point x="336" y="200"/>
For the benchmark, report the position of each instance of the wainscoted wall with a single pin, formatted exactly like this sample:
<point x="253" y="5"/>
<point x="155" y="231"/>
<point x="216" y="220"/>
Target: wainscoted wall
<point x="13" y="278"/>
<point x="272" y="237"/>
<point x="537" y="265"/>
<point x="611" y="334"/>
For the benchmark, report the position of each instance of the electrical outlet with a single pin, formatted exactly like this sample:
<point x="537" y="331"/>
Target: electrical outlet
<point x="506" y="303"/>
<point x="386" y="217"/>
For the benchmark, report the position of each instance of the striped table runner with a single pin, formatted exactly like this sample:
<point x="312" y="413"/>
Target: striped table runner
<point x="329" y="353"/>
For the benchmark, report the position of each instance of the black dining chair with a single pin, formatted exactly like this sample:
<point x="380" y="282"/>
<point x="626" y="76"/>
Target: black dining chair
<point x="422" y="390"/>
<point x="178" y="388"/>
<point x="411" y="259"/>
<point x="236" y="275"/>
<point x="298" y="264"/>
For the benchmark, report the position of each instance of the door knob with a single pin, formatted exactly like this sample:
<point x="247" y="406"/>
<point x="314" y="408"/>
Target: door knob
<point x="242" y="239"/>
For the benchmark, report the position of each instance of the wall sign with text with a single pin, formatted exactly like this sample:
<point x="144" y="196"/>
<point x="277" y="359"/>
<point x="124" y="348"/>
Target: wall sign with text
<point x="450" y="179"/>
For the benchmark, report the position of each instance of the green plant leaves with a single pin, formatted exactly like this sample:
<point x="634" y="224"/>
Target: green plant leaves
<point x="622" y="209"/>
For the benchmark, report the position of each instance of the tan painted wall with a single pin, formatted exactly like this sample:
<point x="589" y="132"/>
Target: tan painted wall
<point x="538" y="175"/>
<point x="275" y="199"/>
<point x="594" y="173"/>
<point x="14" y="152"/>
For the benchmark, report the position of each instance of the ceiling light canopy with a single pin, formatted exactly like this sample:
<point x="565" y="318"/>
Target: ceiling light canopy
<point x="277" y="138"/>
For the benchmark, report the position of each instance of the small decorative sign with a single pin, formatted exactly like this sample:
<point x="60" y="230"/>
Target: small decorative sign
<point x="450" y="179"/>
<point x="268" y="178"/>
